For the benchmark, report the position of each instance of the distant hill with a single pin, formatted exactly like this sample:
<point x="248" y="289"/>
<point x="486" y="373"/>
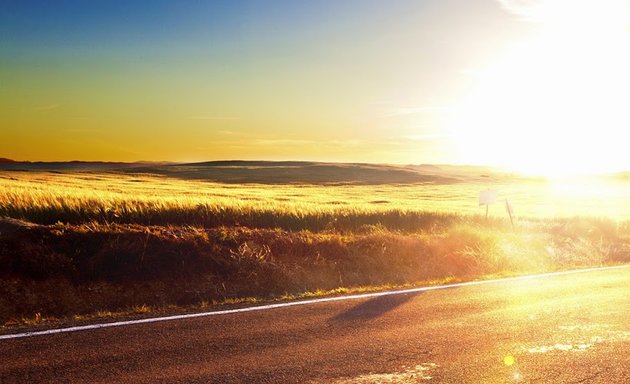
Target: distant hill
<point x="305" y="172"/>
<point x="250" y="163"/>
<point x="8" y="164"/>
<point x="277" y="172"/>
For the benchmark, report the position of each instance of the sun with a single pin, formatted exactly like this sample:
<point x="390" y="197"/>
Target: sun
<point x="555" y="104"/>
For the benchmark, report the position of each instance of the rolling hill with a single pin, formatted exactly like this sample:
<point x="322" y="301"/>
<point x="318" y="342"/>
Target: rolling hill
<point x="277" y="172"/>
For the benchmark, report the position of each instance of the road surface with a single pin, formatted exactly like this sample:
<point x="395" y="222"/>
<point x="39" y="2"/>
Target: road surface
<point x="560" y="329"/>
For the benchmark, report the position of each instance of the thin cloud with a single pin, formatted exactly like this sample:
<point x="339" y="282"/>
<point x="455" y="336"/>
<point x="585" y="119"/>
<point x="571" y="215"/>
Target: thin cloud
<point x="415" y="110"/>
<point x="427" y="137"/>
<point x="539" y="11"/>
<point x="275" y="142"/>
<point x="228" y="133"/>
<point x="262" y="142"/>
<point x="48" y="107"/>
<point x="534" y="10"/>
<point x="213" y="118"/>
<point x="82" y="130"/>
<point x="518" y="7"/>
<point x="350" y="143"/>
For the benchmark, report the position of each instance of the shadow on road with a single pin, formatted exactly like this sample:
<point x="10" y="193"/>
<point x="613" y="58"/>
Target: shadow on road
<point x="374" y="308"/>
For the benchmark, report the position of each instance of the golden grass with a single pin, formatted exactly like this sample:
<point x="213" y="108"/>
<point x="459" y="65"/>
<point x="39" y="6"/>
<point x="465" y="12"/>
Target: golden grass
<point x="121" y="193"/>
<point x="62" y="269"/>
<point x="115" y="243"/>
<point x="151" y="199"/>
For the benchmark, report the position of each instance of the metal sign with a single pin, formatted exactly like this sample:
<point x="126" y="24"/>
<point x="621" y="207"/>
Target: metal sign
<point x="488" y="197"/>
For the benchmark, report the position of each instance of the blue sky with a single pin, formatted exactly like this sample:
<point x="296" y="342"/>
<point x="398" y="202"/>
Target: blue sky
<point x="348" y="80"/>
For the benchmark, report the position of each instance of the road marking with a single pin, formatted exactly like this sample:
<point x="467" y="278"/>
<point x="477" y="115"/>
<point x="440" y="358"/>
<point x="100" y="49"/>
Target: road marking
<point x="303" y="302"/>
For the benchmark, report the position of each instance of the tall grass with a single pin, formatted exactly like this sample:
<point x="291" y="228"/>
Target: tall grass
<point x="48" y="197"/>
<point x="88" y="242"/>
<point x="65" y="269"/>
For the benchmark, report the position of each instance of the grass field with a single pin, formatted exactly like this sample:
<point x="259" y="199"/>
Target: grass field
<point x="85" y="242"/>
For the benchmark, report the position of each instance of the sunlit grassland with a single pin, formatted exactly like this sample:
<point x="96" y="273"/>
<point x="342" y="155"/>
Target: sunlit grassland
<point x="112" y="196"/>
<point x="48" y="197"/>
<point x="81" y="243"/>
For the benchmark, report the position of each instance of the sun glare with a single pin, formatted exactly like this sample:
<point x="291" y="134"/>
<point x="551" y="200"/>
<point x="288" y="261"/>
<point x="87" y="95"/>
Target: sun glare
<point x="556" y="103"/>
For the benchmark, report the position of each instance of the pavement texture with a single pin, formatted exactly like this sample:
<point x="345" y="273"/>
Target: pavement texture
<point x="560" y="329"/>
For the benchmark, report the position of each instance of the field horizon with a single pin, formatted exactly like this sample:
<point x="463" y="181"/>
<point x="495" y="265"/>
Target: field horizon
<point x="298" y="171"/>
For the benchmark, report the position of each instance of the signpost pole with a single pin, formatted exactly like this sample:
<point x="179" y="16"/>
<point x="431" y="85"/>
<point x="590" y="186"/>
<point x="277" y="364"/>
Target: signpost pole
<point x="508" y="207"/>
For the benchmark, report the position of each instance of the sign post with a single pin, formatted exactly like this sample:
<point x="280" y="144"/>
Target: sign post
<point x="510" y="211"/>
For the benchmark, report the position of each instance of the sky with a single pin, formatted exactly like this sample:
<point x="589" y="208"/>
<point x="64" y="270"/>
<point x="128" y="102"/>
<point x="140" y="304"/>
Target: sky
<point x="535" y="86"/>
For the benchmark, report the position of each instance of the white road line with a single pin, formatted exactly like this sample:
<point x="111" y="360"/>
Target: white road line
<point x="303" y="302"/>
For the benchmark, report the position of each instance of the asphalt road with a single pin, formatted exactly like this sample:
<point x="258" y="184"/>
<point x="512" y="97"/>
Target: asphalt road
<point x="560" y="329"/>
